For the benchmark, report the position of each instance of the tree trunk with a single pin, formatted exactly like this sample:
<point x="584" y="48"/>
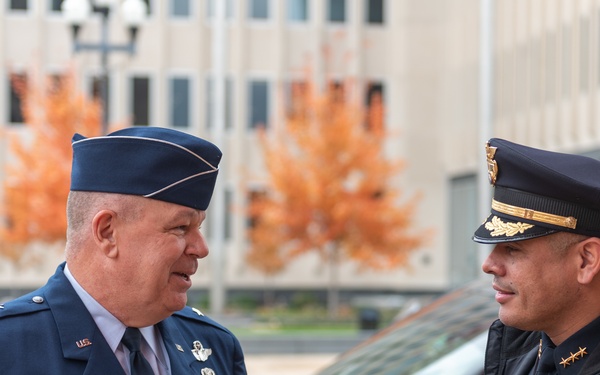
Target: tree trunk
<point x="333" y="289"/>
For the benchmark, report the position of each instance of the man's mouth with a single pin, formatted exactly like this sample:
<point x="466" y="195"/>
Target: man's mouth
<point x="185" y="276"/>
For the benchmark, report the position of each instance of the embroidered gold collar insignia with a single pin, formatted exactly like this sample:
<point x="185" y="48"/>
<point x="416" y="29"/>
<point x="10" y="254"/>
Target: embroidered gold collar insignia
<point x="573" y="357"/>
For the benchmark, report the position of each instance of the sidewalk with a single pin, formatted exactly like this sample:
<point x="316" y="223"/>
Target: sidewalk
<point x="288" y="364"/>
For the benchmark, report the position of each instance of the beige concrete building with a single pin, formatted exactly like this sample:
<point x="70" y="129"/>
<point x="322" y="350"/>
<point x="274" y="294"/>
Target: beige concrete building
<point x="423" y="55"/>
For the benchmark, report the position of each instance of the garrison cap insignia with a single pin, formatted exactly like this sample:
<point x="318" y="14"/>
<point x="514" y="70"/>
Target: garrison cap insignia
<point x="200" y="352"/>
<point x="490" y="152"/>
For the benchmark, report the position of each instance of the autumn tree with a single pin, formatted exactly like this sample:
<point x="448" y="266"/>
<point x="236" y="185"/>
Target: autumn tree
<point x="37" y="174"/>
<point x="330" y="189"/>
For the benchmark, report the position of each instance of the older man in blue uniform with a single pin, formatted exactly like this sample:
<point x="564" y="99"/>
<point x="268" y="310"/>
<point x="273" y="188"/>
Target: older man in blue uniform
<point x="118" y="304"/>
<point x="544" y="227"/>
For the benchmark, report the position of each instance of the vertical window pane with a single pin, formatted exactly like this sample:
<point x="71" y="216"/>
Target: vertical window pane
<point x="180" y="102"/>
<point x="140" y="100"/>
<point x="297" y="10"/>
<point x="18" y="4"/>
<point x="15" y="113"/>
<point x="337" y="11"/>
<point x="258" y="9"/>
<point x="374" y="11"/>
<point x="180" y="8"/>
<point x="258" y="106"/>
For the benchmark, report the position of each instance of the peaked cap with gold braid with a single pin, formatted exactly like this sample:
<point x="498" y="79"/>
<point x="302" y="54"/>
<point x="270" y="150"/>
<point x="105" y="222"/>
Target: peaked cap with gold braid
<point x="538" y="192"/>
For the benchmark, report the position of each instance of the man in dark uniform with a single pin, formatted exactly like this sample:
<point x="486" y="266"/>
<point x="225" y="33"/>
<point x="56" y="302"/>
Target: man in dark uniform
<point x="118" y="305"/>
<point x="544" y="225"/>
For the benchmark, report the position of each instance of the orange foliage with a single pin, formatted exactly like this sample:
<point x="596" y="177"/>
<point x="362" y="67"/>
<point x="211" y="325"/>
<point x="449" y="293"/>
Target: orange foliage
<point x="38" y="173"/>
<point x="329" y="183"/>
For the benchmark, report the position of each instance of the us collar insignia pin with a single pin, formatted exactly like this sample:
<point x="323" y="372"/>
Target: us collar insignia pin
<point x="490" y="152"/>
<point x="179" y="347"/>
<point x="207" y="371"/>
<point x="200" y="352"/>
<point x="573" y="357"/>
<point x="83" y="343"/>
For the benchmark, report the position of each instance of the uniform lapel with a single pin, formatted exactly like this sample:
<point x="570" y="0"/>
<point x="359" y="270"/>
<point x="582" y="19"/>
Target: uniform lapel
<point x="181" y="361"/>
<point x="80" y="338"/>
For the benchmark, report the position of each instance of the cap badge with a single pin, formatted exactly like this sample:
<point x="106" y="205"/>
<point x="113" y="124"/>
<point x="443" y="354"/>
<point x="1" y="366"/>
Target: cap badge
<point x="491" y="163"/>
<point x="497" y="227"/>
<point x="200" y="352"/>
<point x="573" y="357"/>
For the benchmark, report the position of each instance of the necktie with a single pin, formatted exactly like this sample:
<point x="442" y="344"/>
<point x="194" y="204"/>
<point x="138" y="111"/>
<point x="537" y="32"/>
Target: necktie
<point x="546" y="363"/>
<point x="132" y="340"/>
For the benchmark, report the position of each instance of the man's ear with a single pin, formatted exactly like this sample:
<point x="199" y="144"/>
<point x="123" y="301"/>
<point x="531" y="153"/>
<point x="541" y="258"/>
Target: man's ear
<point x="103" y="232"/>
<point x="589" y="253"/>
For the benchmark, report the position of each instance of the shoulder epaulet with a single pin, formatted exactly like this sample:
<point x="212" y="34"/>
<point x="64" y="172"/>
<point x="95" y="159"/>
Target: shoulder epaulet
<point x="24" y="305"/>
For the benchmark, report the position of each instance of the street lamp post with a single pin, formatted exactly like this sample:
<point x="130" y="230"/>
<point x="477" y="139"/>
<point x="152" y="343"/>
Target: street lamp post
<point x="76" y="12"/>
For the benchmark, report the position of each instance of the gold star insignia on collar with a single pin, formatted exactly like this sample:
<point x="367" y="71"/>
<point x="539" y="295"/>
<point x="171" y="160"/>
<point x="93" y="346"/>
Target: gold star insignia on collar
<point x="573" y="357"/>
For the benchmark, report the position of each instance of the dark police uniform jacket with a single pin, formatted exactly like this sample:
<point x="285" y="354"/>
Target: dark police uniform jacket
<point x="514" y="352"/>
<point x="49" y="331"/>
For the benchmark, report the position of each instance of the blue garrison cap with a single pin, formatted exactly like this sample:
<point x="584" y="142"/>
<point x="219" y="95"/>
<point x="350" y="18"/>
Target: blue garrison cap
<point x="538" y="192"/>
<point x="152" y="162"/>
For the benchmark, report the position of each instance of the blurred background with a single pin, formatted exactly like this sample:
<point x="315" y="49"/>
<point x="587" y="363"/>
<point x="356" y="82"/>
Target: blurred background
<point x="329" y="96"/>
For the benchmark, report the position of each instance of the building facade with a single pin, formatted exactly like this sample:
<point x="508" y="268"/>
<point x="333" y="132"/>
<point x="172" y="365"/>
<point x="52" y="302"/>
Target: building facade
<point x="422" y="56"/>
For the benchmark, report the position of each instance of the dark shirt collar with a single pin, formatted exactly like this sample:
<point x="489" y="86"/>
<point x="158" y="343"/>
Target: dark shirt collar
<point x="571" y="355"/>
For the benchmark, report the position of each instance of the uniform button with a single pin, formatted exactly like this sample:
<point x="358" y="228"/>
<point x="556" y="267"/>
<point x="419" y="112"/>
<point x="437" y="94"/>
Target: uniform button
<point x="38" y="299"/>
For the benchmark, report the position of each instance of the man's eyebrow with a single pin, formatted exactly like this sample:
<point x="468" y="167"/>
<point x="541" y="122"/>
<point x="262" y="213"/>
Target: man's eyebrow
<point x="187" y="214"/>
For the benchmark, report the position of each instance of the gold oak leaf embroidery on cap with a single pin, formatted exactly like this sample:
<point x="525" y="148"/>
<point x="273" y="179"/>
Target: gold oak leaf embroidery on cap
<point x="497" y="227"/>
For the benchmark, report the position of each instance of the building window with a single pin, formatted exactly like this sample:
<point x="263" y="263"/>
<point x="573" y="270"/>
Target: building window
<point x="375" y="101"/>
<point x="258" y="104"/>
<point x="210" y="9"/>
<point x="297" y="10"/>
<point x="336" y="11"/>
<point x="228" y="103"/>
<point x="140" y="100"/>
<point x="15" y="115"/>
<point x="254" y="196"/>
<point x="374" y="11"/>
<point x="18" y="5"/>
<point x="148" y="4"/>
<point x="181" y="8"/>
<point x="55" y="5"/>
<point x="258" y="9"/>
<point x="180" y="102"/>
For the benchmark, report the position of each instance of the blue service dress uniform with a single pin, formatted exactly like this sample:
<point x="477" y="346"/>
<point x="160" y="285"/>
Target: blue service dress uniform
<point x="49" y="331"/>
